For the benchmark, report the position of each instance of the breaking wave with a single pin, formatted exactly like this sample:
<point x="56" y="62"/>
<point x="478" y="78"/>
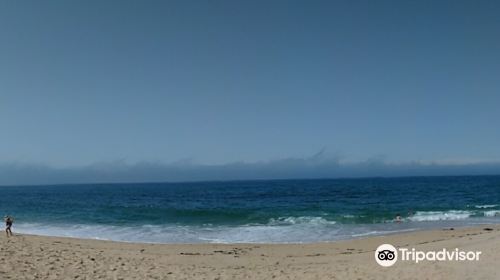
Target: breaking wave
<point x="421" y="216"/>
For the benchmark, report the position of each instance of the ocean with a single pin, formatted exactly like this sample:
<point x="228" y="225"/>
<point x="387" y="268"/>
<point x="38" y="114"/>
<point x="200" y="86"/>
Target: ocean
<point x="260" y="211"/>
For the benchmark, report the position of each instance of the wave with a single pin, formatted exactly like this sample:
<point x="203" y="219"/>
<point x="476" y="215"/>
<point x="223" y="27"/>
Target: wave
<point x="492" y="213"/>
<point x="287" y="229"/>
<point x="384" y="232"/>
<point x="426" y="216"/>
<point x="300" y="232"/>
<point x="486" y="206"/>
<point x="300" y="220"/>
<point x="301" y="229"/>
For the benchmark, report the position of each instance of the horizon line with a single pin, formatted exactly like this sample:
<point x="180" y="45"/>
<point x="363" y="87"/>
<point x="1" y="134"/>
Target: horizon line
<point x="252" y="180"/>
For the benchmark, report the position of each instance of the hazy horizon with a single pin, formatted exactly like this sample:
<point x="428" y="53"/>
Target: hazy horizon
<point x="285" y="169"/>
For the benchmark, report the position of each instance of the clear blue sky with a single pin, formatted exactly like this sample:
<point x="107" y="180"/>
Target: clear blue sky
<point x="224" y="81"/>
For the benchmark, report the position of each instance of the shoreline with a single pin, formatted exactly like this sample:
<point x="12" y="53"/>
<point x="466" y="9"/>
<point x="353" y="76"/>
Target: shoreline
<point x="27" y="256"/>
<point x="354" y="238"/>
<point x="387" y="232"/>
<point x="300" y="233"/>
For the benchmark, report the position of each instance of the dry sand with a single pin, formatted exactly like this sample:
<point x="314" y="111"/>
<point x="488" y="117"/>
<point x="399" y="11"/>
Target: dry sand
<point x="37" y="257"/>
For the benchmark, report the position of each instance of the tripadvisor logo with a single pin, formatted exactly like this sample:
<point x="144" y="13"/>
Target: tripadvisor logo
<point x="387" y="255"/>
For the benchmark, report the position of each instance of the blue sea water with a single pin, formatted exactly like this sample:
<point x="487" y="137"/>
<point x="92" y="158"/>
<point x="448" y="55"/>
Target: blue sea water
<point x="274" y="211"/>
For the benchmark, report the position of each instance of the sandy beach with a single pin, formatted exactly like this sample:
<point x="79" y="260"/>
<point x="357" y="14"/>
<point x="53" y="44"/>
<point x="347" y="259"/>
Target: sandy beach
<point x="38" y="257"/>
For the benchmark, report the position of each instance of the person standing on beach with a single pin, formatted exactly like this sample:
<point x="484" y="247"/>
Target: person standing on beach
<point x="8" y="224"/>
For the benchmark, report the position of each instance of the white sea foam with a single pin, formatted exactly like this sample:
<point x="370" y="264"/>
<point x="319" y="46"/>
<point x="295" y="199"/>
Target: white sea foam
<point x="291" y="233"/>
<point x="348" y="216"/>
<point x="486" y="206"/>
<point x="383" y="232"/>
<point x="304" y="229"/>
<point x="421" y="216"/>
<point x="492" y="213"/>
<point x="300" y="220"/>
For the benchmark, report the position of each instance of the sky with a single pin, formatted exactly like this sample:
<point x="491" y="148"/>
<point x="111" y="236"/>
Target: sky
<point x="189" y="87"/>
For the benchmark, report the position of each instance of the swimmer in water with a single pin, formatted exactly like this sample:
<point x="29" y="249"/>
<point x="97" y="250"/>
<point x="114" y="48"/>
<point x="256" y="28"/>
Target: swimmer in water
<point x="398" y="219"/>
